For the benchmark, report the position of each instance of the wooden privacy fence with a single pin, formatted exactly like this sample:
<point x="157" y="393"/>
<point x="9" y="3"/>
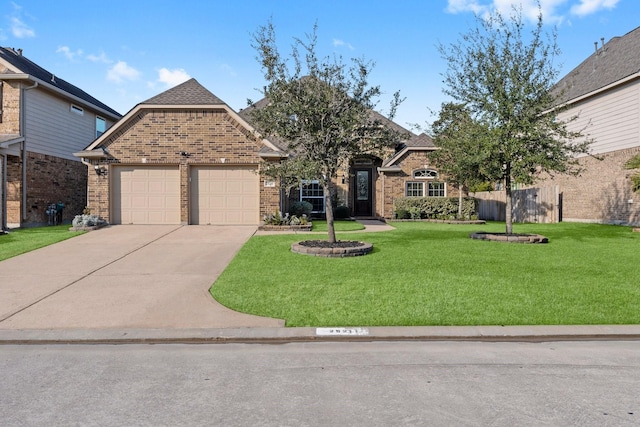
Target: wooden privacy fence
<point x="542" y="205"/>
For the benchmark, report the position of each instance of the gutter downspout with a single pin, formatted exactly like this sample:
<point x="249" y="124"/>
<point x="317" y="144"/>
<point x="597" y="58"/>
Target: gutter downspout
<point x="23" y="131"/>
<point x="3" y="226"/>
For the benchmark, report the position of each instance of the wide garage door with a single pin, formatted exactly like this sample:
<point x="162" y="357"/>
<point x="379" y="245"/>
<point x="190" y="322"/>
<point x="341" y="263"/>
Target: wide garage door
<point x="224" y="195"/>
<point x="146" y="195"/>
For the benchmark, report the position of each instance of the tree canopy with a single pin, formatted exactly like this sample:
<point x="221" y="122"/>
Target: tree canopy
<point x="504" y="77"/>
<point x="322" y="109"/>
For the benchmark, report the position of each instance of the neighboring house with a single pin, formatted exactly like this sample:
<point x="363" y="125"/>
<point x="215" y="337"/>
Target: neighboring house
<point x="604" y="92"/>
<point x="43" y="120"/>
<point x="186" y="157"/>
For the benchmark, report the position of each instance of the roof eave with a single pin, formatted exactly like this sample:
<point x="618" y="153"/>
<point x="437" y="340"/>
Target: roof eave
<point x="59" y="91"/>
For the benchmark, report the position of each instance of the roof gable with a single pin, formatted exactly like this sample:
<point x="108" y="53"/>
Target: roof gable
<point x="188" y="93"/>
<point x="24" y="65"/>
<point x="617" y="59"/>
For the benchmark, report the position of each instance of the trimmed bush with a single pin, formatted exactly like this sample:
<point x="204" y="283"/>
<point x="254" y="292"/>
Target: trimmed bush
<point x="341" y="212"/>
<point x="434" y="208"/>
<point x="300" y="208"/>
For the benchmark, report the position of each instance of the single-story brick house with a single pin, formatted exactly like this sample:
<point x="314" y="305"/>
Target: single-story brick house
<point x="185" y="157"/>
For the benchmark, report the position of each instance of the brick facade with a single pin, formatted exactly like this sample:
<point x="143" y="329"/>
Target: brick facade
<point x="10" y="123"/>
<point x="602" y="191"/>
<point x="50" y="179"/>
<point x="393" y="184"/>
<point x="157" y="136"/>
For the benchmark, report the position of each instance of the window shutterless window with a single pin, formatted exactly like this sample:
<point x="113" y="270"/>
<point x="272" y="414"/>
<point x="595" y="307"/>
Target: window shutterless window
<point x="101" y="126"/>
<point x="312" y="192"/>
<point x="75" y="109"/>
<point x="422" y="189"/>
<point x="415" y="189"/>
<point x="436" y="189"/>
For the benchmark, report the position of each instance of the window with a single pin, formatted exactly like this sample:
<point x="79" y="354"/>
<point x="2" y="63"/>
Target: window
<point x="312" y="192"/>
<point x="77" y="110"/>
<point x="421" y="189"/>
<point x="424" y="174"/>
<point x="101" y="126"/>
<point x="436" y="189"/>
<point x="415" y="189"/>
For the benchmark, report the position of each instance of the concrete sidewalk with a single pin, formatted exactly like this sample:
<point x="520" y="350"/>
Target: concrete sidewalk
<point x="125" y="277"/>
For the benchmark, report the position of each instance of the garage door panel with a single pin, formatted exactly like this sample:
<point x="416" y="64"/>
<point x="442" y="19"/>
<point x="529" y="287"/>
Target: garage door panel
<point x="146" y="195"/>
<point x="224" y="195"/>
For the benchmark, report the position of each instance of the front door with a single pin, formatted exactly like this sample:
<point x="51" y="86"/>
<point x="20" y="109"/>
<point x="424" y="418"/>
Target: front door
<point x="362" y="195"/>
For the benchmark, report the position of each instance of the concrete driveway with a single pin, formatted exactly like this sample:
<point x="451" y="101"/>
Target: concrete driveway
<point x="123" y="277"/>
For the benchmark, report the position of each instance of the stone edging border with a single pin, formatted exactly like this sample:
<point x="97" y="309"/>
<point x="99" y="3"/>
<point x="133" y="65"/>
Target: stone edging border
<point x="443" y="221"/>
<point x="510" y="238"/>
<point x="364" y="249"/>
<point x="305" y="227"/>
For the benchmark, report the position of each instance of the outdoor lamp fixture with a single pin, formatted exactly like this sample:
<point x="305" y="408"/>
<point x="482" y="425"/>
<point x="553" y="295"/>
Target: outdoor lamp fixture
<point x="100" y="170"/>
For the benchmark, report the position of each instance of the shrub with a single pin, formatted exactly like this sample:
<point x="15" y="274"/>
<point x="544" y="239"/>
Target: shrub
<point x="301" y="208"/>
<point x="341" y="212"/>
<point x="434" y="208"/>
<point x="286" y="219"/>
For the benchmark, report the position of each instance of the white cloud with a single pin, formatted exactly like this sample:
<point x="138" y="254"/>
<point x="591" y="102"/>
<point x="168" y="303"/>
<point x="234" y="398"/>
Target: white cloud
<point x="66" y="51"/>
<point x="338" y="43"/>
<point x="458" y="6"/>
<point x="587" y="7"/>
<point x="121" y="71"/>
<point x="172" y="77"/>
<point x="21" y="30"/>
<point x="99" y="58"/>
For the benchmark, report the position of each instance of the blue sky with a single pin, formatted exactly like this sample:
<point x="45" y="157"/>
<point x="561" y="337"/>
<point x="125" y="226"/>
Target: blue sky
<point x="124" y="52"/>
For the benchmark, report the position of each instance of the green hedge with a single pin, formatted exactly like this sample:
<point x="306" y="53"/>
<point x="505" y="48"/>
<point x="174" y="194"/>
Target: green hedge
<point x="434" y="208"/>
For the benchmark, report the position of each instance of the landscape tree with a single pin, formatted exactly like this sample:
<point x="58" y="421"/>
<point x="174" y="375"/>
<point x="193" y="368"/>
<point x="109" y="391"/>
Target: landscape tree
<point x="634" y="163"/>
<point x="461" y="156"/>
<point x="505" y="78"/>
<point x="323" y="109"/>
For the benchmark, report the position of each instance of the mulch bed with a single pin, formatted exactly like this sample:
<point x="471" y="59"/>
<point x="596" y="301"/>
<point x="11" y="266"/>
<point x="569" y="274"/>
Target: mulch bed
<point x="327" y="244"/>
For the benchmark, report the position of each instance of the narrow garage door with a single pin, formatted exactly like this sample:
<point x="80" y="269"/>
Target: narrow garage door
<point x="146" y="195"/>
<point x="224" y="195"/>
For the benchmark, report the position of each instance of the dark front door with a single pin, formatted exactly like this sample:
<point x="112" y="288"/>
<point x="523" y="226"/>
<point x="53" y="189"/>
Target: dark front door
<point x="362" y="203"/>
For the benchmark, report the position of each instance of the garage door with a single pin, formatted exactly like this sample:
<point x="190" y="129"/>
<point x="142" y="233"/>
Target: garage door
<point x="146" y="195"/>
<point x="224" y="195"/>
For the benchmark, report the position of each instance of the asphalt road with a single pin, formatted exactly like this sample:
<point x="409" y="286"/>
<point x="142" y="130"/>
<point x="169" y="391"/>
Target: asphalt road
<point x="322" y="384"/>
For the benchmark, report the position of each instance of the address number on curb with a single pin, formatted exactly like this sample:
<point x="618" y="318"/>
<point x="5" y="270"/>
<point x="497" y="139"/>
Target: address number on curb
<point x="341" y="331"/>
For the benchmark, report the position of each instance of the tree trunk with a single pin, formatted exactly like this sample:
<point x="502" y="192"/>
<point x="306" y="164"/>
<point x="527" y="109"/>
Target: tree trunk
<point x="331" y="231"/>
<point x="460" y="201"/>
<point x="508" y="205"/>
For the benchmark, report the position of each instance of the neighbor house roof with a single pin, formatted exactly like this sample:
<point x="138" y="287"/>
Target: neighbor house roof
<point x="617" y="60"/>
<point x="26" y="67"/>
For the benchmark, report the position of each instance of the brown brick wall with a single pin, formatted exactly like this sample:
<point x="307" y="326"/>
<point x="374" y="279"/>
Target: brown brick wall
<point x="10" y="108"/>
<point x="602" y="191"/>
<point x="49" y="180"/>
<point x="393" y="183"/>
<point x="156" y="137"/>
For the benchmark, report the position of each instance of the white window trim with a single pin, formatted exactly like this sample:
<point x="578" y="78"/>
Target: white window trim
<point x="425" y="188"/>
<point x="431" y="173"/>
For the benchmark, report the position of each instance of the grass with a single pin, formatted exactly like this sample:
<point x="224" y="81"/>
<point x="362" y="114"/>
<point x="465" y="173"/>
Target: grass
<point x="433" y="274"/>
<point x="339" y="225"/>
<point x="25" y="240"/>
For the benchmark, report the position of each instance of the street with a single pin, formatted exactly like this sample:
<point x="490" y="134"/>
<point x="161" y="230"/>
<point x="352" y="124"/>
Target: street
<point x="322" y="384"/>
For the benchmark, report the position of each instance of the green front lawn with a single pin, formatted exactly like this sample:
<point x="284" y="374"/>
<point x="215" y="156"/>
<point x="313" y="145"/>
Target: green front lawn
<point x="433" y="274"/>
<point x="27" y="239"/>
<point x="338" y="225"/>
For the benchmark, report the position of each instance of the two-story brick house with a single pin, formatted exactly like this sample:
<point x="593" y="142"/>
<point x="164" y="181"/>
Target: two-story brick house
<point x="43" y="120"/>
<point x="604" y="93"/>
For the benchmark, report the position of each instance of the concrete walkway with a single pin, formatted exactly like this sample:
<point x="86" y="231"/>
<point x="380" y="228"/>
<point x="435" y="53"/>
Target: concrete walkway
<point x="125" y="277"/>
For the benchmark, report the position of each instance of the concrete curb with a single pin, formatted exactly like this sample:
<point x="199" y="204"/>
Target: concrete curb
<point x="308" y="334"/>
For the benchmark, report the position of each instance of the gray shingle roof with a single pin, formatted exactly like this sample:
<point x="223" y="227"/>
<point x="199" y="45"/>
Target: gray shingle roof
<point x="619" y="58"/>
<point x="26" y="66"/>
<point x="422" y="140"/>
<point x="188" y="93"/>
